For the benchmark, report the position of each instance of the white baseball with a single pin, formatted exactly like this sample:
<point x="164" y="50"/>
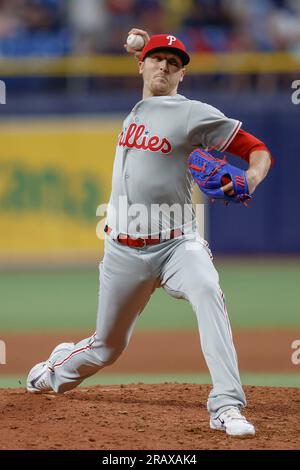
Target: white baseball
<point x="135" y="41"/>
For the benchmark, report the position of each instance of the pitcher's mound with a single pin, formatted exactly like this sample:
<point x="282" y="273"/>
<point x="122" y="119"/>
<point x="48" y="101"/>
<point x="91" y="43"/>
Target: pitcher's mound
<point x="139" y="416"/>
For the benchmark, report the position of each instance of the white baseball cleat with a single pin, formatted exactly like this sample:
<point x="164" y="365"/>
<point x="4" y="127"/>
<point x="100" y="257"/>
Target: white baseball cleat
<point x="233" y="422"/>
<point x="38" y="377"/>
<point x="37" y="380"/>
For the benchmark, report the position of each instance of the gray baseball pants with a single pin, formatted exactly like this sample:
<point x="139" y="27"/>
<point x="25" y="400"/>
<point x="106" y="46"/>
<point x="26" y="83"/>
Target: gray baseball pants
<point x="128" y="277"/>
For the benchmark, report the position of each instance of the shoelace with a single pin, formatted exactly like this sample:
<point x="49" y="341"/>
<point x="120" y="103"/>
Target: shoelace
<point x="42" y="384"/>
<point x="233" y="413"/>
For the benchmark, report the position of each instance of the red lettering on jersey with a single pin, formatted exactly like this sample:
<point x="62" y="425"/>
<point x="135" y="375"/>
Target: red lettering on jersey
<point x="130" y="133"/>
<point x="131" y="138"/>
<point x="153" y="142"/>
<point x="166" y="146"/>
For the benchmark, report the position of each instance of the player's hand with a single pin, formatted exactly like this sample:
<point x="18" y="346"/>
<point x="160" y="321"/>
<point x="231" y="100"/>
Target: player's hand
<point x="252" y="180"/>
<point x="228" y="189"/>
<point x="146" y="39"/>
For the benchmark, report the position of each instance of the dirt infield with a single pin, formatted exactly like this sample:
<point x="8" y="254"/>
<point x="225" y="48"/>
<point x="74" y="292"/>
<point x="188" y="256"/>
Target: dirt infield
<point x="161" y="416"/>
<point x="162" y="351"/>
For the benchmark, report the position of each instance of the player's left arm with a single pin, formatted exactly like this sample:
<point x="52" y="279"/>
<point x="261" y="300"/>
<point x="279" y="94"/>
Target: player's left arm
<point x="256" y="153"/>
<point x="259" y="166"/>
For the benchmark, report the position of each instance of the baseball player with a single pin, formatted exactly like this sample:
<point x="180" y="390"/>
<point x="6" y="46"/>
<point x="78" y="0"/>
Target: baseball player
<point x="162" y="248"/>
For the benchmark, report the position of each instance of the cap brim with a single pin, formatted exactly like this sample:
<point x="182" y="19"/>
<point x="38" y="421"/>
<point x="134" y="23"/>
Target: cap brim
<point x="183" y="55"/>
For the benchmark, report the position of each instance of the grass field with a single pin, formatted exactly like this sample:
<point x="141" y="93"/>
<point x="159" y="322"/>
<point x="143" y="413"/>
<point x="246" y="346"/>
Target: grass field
<point x="270" y="380"/>
<point x="263" y="295"/>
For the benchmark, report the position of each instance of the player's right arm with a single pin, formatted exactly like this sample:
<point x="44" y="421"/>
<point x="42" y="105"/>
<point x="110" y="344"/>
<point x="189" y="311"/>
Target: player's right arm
<point x="140" y="32"/>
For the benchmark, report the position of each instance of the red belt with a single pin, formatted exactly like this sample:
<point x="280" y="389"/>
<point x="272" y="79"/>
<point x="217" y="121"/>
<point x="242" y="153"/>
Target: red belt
<point x="142" y="242"/>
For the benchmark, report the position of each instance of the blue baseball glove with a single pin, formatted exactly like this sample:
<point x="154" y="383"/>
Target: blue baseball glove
<point x="211" y="174"/>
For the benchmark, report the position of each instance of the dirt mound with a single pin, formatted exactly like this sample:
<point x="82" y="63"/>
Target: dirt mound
<point x="139" y="416"/>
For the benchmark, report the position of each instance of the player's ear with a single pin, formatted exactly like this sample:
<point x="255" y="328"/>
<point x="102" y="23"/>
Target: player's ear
<point x="182" y="74"/>
<point x="141" y="67"/>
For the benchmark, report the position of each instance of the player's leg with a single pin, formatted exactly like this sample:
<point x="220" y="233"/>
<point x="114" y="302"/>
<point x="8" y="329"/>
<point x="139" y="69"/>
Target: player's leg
<point x="126" y="285"/>
<point x="190" y="274"/>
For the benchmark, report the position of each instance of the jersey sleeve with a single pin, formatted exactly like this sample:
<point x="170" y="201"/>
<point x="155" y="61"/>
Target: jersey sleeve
<point x="209" y="128"/>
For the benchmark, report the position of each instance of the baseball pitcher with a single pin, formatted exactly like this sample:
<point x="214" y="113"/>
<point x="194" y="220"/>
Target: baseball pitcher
<point x="152" y="241"/>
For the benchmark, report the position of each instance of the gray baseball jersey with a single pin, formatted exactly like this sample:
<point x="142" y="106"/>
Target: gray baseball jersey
<point x="150" y="166"/>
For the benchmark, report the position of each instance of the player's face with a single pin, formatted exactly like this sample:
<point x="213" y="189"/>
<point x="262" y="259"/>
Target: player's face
<point x="162" y="71"/>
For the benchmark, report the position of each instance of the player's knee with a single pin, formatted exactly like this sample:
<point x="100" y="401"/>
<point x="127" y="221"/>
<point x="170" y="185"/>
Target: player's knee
<point x="208" y="287"/>
<point x="211" y="287"/>
<point x="111" y="358"/>
<point x="107" y="355"/>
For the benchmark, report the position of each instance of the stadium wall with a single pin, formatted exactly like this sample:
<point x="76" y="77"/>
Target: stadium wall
<point x="69" y="147"/>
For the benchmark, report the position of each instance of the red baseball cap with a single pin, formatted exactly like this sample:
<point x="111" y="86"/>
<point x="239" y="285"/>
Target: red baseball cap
<point x="166" y="41"/>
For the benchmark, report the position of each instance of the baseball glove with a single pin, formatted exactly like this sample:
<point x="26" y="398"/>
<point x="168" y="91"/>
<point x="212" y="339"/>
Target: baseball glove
<point x="211" y="174"/>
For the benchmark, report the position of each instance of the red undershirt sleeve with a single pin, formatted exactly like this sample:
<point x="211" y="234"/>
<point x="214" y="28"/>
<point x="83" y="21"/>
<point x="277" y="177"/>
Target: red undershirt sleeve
<point x="244" y="143"/>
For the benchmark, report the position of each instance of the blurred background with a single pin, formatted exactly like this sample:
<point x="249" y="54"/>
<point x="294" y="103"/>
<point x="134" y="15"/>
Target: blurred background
<point x="69" y="84"/>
